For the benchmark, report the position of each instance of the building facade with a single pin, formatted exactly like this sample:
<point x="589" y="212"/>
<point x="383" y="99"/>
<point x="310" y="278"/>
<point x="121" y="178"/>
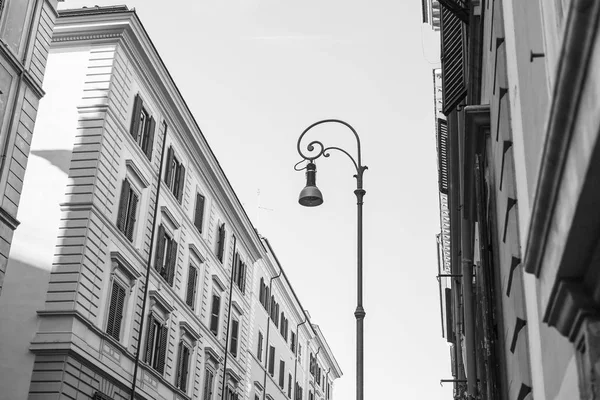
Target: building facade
<point x="431" y="13"/>
<point x="25" y="34"/>
<point x="138" y="270"/>
<point x="518" y="157"/>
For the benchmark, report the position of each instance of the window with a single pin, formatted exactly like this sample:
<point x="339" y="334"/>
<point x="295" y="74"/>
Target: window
<point x="190" y="295"/>
<point x="293" y="343"/>
<point x="264" y="294"/>
<point x="239" y="273"/>
<point x="230" y="394"/>
<point x="209" y="377"/>
<point x="299" y="391"/>
<point x="214" y="314"/>
<point x="233" y="342"/>
<point x="271" y="360"/>
<point x="289" y="391"/>
<point x="156" y="344"/>
<point x="142" y="127"/>
<point x="311" y="396"/>
<point x="166" y="255"/>
<point x="199" y="212"/>
<point x="283" y="328"/>
<point x="127" y="210"/>
<point x="259" y="350"/>
<point x="115" y="311"/>
<point x="327" y="391"/>
<point x="281" y="374"/>
<point x="183" y="364"/>
<point x="174" y="175"/>
<point x="274" y="311"/>
<point x="221" y="242"/>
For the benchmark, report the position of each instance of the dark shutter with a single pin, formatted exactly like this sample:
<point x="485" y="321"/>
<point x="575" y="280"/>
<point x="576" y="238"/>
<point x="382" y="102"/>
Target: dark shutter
<point x="443" y="155"/>
<point x="160" y="249"/>
<point x="172" y="262"/>
<point x="191" y="287"/>
<point x="135" y="117"/>
<point x="259" y="349"/>
<point x="149" y="339"/>
<point x="234" y="338"/>
<point x="454" y="87"/>
<point x="271" y="360"/>
<point x="221" y="244"/>
<point x="214" y="317"/>
<point x="181" y="183"/>
<point x="122" y="213"/>
<point x="261" y="295"/>
<point x="115" y="313"/>
<point x="186" y="362"/>
<point x="235" y="268"/>
<point x="199" y="213"/>
<point x="281" y="373"/>
<point x="133" y="201"/>
<point x="150" y="138"/>
<point x="162" y="351"/>
<point x="168" y="166"/>
<point x="179" y="365"/>
<point x="449" y="322"/>
<point x="289" y="391"/>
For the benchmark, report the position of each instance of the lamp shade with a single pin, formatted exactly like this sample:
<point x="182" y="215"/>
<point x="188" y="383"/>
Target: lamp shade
<point x="311" y="196"/>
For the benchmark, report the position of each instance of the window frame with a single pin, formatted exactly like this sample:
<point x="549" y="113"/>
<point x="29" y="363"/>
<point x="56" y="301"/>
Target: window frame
<point x="126" y="288"/>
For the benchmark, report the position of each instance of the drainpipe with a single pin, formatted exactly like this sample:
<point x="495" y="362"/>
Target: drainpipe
<point x="469" y="309"/>
<point x="326" y="383"/>
<point x="316" y="364"/>
<point x="228" y="321"/>
<point x="296" y="356"/>
<point x="268" y="331"/>
<point x="148" y="263"/>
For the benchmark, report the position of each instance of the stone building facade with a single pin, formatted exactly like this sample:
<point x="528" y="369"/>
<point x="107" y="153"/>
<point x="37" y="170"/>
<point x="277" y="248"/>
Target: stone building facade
<point x="25" y="35"/>
<point x="518" y="154"/>
<point x="140" y="260"/>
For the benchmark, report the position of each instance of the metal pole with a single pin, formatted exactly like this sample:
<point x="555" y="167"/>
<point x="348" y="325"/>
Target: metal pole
<point x="360" y="312"/>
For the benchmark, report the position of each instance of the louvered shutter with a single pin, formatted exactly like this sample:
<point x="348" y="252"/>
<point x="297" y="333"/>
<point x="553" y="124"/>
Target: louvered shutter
<point x="261" y="295"/>
<point x="199" y="212"/>
<point x="162" y="351"/>
<point x="160" y="249"/>
<point x="135" y="117"/>
<point x="185" y="368"/>
<point x="244" y="278"/>
<point x="236" y="269"/>
<point x="454" y="87"/>
<point x="133" y="202"/>
<point x="449" y="322"/>
<point x="179" y="365"/>
<point x="112" y="310"/>
<point x="221" y="244"/>
<point x="259" y="349"/>
<point x="281" y="373"/>
<point x="289" y="391"/>
<point x="150" y="138"/>
<point x="149" y="339"/>
<point x="443" y="155"/>
<point x="172" y="262"/>
<point x="181" y="183"/>
<point x="119" y="311"/>
<point x="191" y="287"/>
<point x="169" y="166"/>
<point x="271" y="360"/>
<point x="214" y="317"/>
<point x="234" y="338"/>
<point x="122" y="213"/>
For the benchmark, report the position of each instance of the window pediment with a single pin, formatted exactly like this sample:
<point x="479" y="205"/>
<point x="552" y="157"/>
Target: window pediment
<point x="137" y="175"/>
<point x="220" y="285"/>
<point x="212" y="355"/>
<point x="157" y="299"/>
<point x="121" y="263"/>
<point x="169" y="218"/>
<point x="194" y="251"/>
<point x="187" y="329"/>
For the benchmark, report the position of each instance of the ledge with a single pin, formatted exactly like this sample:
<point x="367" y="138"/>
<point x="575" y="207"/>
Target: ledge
<point x="137" y="174"/>
<point x="194" y="251"/>
<point x="219" y="283"/>
<point x="161" y="301"/>
<point x="169" y="217"/>
<point x="125" y="265"/>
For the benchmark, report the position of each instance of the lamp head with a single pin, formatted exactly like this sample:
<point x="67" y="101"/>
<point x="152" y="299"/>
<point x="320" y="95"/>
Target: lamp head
<point x="311" y="196"/>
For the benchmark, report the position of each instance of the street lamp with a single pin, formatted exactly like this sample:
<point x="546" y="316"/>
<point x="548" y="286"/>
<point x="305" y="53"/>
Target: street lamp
<point x="311" y="196"/>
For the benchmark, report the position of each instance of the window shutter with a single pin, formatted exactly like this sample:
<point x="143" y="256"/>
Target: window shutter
<point x="150" y="138"/>
<point x="149" y="339"/>
<point x="179" y="365"/>
<point x="122" y="213"/>
<point x="443" y="155"/>
<point x="259" y="349"/>
<point x="199" y="213"/>
<point x="221" y="244"/>
<point x="181" y="183"/>
<point x="133" y="201"/>
<point x="261" y="295"/>
<point x="289" y="391"/>
<point x="281" y="373"/>
<point x="162" y="351"/>
<point x="172" y="262"/>
<point x="113" y="312"/>
<point x="135" y="117"/>
<point x="271" y="360"/>
<point x="191" y="287"/>
<point x="160" y="249"/>
<point x="235" y="268"/>
<point x="214" y="318"/>
<point x="454" y="87"/>
<point x="168" y="166"/>
<point x="186" y="362"/>
<point x="234" y="338"/>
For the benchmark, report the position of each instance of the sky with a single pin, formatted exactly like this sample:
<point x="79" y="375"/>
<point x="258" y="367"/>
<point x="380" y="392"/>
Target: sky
<point x="255" y="74"/>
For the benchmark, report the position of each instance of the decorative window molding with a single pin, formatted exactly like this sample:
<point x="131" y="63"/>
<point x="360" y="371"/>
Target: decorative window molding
<point x="194" y="251"/>
<point x="219" y="283"/>
<point x="156" y="298"/>
<point x="212" y="355"/>
<point x="258" y="386"/>
<point x="237" y="307"/>
<point x="134" y="172"/>
<point x="234" y="376"/>
<point x="172" y="222"/>
<point x="187" y="329"/>
<point x="119" y="262"/>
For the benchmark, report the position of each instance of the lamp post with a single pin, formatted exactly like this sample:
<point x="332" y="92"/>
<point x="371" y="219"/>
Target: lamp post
<point x="311" y="196"/>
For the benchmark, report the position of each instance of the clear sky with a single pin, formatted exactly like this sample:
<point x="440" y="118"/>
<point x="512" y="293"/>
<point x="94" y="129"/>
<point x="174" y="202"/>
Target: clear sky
<point x="255" y="73"/>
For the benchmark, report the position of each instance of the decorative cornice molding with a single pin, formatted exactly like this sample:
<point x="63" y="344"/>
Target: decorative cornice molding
<point x="135" y="171"/>
<point x="8" y="219"/>
<point x="125" y="265"/>
<point x="219" y="283"/>
<point x="160" y="301"/>
<point x="195" y="252"/>
<point x="169" y="217"/>
<point x="88" y="37"/>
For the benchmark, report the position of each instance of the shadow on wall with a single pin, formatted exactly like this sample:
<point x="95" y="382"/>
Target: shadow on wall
<point x="61" y="159"/>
